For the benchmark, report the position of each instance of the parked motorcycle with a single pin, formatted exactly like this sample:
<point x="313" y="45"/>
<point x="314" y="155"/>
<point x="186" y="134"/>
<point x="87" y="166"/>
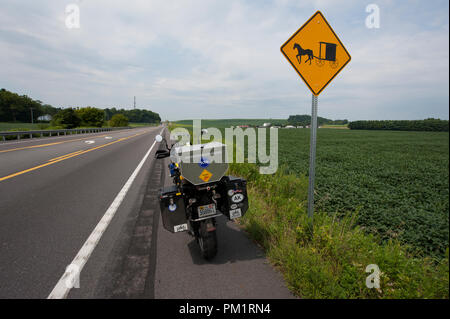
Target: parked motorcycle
<point x="200" y="192"/>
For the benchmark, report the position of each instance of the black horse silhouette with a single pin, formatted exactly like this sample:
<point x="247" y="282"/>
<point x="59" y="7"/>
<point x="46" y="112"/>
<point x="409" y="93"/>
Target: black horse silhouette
<point x="301" y="52"/>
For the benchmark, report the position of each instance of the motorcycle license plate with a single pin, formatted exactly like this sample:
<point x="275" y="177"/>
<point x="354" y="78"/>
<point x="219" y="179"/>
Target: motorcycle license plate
<point x="206" y="210"/>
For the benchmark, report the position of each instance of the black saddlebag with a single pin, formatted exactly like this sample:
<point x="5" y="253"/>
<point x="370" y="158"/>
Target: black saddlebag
<point x="173" y="211"/>
<point x="234" y="195"/>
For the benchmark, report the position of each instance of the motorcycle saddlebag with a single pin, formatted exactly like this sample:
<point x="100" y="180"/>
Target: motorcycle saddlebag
<point x="235" y="194"/>
<point x="173" y="211"/>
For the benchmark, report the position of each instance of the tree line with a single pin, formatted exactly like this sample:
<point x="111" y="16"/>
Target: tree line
<point x="304" y="120"/>
<point x="86" y="117"/>
<point x="430" y="124"/>
<point x="20" y="108"/>
<point x="135" y="115"/>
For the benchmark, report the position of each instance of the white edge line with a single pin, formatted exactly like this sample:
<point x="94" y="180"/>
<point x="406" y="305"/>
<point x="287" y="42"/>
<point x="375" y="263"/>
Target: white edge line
<point x="65" y="283"/>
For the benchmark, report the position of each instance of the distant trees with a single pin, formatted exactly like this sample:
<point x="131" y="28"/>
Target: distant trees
<point x="338" y="122"/>
<point x="304" y="120"/>
<point x="91" y="116"/>
<point x="86" y="116"/>
<point x="17" y="108"/>
<point x="135" y="115"/>
<point x="118" y="120"/>
<point x="430" y="124"/>
<point x="67" y="118"/>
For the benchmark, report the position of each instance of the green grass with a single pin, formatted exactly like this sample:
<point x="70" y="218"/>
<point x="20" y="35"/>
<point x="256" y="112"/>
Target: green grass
<point x="4" y="126"/>
<point x="339" y="126"/>
<point x="142" y="124"/>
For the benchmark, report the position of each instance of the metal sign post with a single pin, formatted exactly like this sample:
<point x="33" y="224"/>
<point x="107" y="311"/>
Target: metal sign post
<point x="312" y="155"/>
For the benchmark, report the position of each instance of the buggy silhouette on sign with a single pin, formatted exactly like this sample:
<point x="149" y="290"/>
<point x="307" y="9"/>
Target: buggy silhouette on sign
<point x="330" y="55"/>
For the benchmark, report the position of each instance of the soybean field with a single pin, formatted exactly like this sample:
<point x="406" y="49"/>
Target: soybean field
<point x="396" y="182"/>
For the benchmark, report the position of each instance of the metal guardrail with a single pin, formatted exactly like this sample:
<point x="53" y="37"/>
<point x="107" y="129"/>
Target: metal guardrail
<point x="43" y="133"/>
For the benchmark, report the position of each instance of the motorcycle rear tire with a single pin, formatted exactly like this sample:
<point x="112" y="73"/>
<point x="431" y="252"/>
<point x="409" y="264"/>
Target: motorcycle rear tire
<point x="208" y="245"/>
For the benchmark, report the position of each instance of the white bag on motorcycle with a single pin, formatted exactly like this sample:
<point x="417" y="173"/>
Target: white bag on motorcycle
<point x="201" y="163"/>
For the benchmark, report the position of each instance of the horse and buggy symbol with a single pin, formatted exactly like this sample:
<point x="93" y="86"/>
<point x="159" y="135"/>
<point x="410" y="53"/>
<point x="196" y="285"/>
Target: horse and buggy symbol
<point x="328" y="50"/>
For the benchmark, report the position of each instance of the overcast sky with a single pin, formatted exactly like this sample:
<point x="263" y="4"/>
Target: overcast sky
<point x="221" y="59"/>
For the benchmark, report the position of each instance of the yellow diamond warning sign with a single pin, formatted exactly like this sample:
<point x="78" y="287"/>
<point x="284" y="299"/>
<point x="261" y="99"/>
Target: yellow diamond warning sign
<point x="205" y="175"/>
<point x="316" y="53"/>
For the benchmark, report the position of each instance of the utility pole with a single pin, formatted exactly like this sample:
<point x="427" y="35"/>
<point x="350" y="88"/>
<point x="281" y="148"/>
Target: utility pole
<point x="31" y="109"/>
<point x="134" y="103"/>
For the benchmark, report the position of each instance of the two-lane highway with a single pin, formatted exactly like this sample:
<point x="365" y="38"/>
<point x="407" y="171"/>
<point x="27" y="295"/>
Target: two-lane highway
<point x="53" y="193"/>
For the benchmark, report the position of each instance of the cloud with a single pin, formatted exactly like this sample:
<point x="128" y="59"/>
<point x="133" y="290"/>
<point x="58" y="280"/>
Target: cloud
<point x="209" y="59"/>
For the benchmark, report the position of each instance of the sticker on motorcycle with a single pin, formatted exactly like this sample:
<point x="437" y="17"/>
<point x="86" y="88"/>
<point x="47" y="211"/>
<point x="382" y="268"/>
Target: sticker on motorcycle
<point x="205" y="175"/>
<point x="179" y="228"/>
<point x="204" y="162"/>
<point x="235" y="213"/>
<point x="237" y="198"/>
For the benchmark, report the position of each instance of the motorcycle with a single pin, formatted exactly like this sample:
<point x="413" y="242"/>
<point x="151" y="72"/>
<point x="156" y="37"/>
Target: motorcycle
<point x="200" y="192"/>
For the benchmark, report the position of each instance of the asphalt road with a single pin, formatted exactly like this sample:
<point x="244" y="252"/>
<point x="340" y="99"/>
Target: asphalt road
<point x="55" y="193"/>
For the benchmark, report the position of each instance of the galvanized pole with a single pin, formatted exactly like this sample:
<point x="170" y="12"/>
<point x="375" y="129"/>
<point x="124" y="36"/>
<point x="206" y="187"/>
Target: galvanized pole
<point x="312" y="156"/>
<point x="32" y="121"/>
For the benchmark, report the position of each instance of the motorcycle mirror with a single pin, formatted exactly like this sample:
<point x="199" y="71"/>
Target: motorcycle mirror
<point x="162" y="154"/>
<point x="158" y="138"/>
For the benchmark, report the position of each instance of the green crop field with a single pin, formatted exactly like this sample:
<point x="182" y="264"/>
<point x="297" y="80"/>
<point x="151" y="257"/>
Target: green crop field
<point x="397" y="182"/>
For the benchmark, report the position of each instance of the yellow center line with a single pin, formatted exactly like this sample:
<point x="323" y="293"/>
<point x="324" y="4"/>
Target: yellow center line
<point x="53" y="159"/>
<point x="67" y="156"/>
<point x="50" y="144"/>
